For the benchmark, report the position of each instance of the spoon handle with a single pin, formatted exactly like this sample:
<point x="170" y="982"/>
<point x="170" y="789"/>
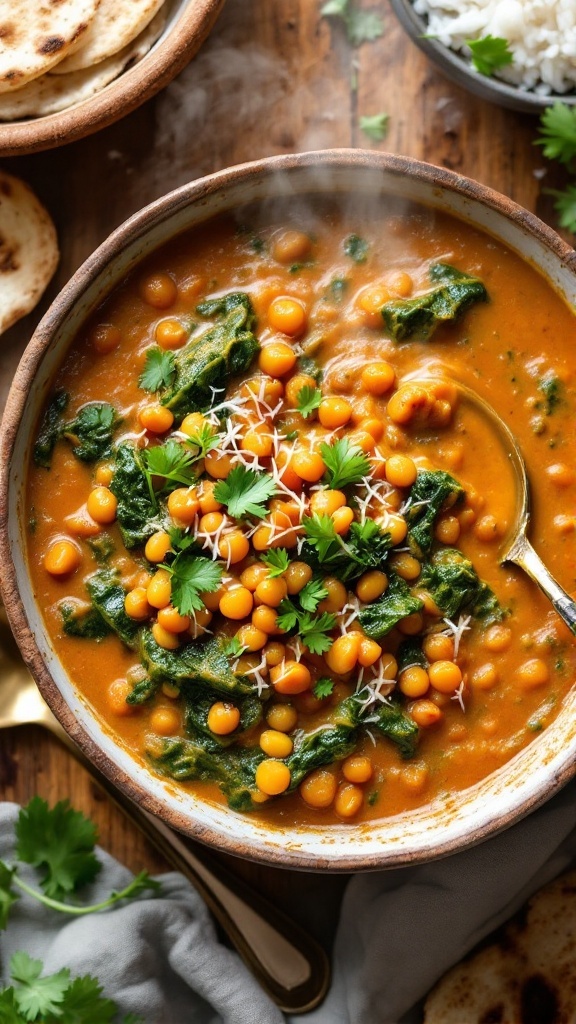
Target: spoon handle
<point x="524" y="555"/>
<point x="288" y="963"/>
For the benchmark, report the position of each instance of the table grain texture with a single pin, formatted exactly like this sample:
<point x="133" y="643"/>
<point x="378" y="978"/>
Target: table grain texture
<point x="273" y="78"/>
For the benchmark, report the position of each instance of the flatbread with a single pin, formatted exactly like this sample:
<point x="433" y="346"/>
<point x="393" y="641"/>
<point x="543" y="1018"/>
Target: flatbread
<point x="528" y="976"/>
<point x="36" y="34"/>
<point x="51" y="93"/>
<point x="116" y="24"/>
<point x="28" y="250"/>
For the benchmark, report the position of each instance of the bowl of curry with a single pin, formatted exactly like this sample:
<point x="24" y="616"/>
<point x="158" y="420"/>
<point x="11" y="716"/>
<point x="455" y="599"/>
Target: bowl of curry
<point x="251" y="533"/>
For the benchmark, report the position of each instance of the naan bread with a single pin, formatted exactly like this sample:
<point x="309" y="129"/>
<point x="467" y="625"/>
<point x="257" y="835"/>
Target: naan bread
<point x="51" y="93"/>
<point x="28" y="250"/>
<point x="116" y="24"/>
<point x="36" y="34"/>
<point x="527" y="977"/>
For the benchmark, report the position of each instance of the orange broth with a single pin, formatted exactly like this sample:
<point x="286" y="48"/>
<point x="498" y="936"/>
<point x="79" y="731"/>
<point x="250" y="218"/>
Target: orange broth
<point x="516" y="350"/>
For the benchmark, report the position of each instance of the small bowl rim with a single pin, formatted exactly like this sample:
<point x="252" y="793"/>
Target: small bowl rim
<point x="457" y="68"/>
<point x="169" y="55"/>
<point x="133" y="229"/>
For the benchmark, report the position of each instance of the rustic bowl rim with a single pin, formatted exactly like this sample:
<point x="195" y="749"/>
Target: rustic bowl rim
<point x="133" y="229"/>
<point x="457" y="68"/>
<point x="175" y="48"/>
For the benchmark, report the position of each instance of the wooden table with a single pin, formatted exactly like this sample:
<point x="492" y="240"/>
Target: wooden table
<point x="273" y="78"/>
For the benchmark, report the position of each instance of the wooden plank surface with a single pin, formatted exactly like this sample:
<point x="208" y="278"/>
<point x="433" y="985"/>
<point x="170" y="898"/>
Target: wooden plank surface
<point x="273" y="78"/>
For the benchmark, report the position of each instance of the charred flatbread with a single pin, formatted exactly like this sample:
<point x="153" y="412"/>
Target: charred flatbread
<point x="35" y="35"/>
<point x="116" y="24"/>
<point x="28" y="250"/>
<point x="527" y="976"/>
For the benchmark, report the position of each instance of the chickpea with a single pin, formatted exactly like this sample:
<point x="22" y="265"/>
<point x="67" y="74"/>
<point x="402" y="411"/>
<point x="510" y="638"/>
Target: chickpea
<point x="326" y="502"/>
<point x="286" y="471"/>
<point x="397" y="527"/>
<point x="485" y="677"/>
<point x="487" y="529"/>
<point x="371" y="585"/>
<point x="414" y="681"/>
<point x="343" y="655"/>
<point x="266" y="619"/>
<point x="406" y="566"/>
<point x="250" y="638"/>
<point x="208" y="502"/>
<point x="218" y="466"/>
<point x="233" y="547"/>
<point x="223" y="718"/>
<point x="308" y="465"/>
<point x="104" y="474"/>
<point x="447" y="530"/>
<point x="159" y="590"/>
<point x="349" y="800"/>
<point x="389" y="666"/>
<point x="105" y="338"/>
<point x="290" y="677"/>
<point x="438" y="647"/>
<point x="560" y="474"/>
<point x="498" y="638"/>
<point x="425" y="713"/>
<point x="370" y="301"/>
<point x="183" y="505"/>
<point x="199" y="621"/>
<point x="282" y="717"/>
<point x="136" y="604"/>
<point x="342" y="519"/>
<point x="378" y="378"/>
<point x="211" y="523"/>
<point x="62" y="558"/>
<point x="259" y="441"/>
<point x="400" y="471"/>
<point x="157" y="546"/>
<point x="169" y="641"/>
<point x="409" y="401"/>
<point x="273" y="777"/>
<point x="170" y="334"/>
<point x="357" y="768"/>
<point x="445" y="676"/>
<point x="116" y="695"/>
<point x="212" y="598"/>
<point x="415" y="777"/>
<point x="277" y="359"/>
<point x="369" y="652"/>
<point x="102" y="505"/>
<point x="272" y="591"/>
<point x="156" y="418"/>
<point x="532" y="673"/>
<point x="274" y="652"/>
<point x="291" y="246"/>
<point x="372" y="426"/>
<point x="288" y="316"/>
<point x="171" y="619"/>
<point x="297" y="575"/>
<point x="236" y="603"/>
<point x="158" y="291"/>
<point x="401" y="284"/>
<point x="253" y="575"/>
<point x="294" y="387"/>
<point x="337" y="595"/>
<point x="411" y="625"/>
<point x="275" y="743"/>
<point x="165" y="721"/>
<point x="318" y="789"/>
<point x="363" y="440"/>
<point x="334" y="412"/>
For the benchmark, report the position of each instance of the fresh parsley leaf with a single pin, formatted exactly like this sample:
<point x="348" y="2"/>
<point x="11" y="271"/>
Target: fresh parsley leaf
<point x="159" y="370"/>
<point x="233" y="649"/>
<point x="321" y="533"/>
<point x="565" y="206"/>
<point x="311" y="595"/>
<point x="7" y="894"/>
<point x="244" y="492"/>
<point x="36" y="996"/>
<point x="356" y="248"/>
<point x="277" y="560"/>
<point x="558" y="138"/>
<point x="172" y="461"/>
<point x="287" y="615"/>
<point x="180" y="540"/>
<point x="83" y="1003"/>
<point x="346" y="463"/>
<point x="309" y="399"/>
<point x="489" y="53"/>
<point x="191" y="576"/>
<point x="361" y="26"/>
<point x="313" y="631"/>
<point x="60" y="842"/>
<point x="8" y="1011"/>
<point x="375" y="126"/>
<point x="323" y="688"/>
<point x="204" y="440"/>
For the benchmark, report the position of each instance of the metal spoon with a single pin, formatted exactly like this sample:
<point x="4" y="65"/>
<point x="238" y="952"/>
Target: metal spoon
<point x="288" y="963"/>
<point x="516" y="547"/>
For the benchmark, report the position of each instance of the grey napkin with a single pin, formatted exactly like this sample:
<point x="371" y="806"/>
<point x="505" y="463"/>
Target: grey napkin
<point x="398" y="932"/>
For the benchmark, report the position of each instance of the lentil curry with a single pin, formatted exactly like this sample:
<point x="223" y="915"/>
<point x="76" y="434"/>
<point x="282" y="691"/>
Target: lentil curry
<point x="265" y="534"/>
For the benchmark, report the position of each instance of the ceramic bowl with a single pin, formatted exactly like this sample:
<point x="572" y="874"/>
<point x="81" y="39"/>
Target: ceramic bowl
<point x="187" y="26"/>
<point x="450" y="823"/>
<point x="458" y="68"/>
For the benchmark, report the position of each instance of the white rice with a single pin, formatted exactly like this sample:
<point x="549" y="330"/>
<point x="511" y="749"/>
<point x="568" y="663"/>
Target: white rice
<point x="541" y="35"/>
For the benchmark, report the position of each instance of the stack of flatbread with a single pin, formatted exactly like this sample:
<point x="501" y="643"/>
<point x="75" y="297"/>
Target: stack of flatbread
<point x="528" y="976"/>
<point x="55" y="53"/>
<point x="28" y="250"/>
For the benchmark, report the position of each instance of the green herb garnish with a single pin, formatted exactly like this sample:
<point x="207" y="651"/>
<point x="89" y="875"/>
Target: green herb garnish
<point x="309" y="400"/>
<point x="277" y="560"/>
<point x="191" y="576"/>
<point x="375" y="126"/>
<point x="159" y="370"/>
<point x="345" y="463"/>
<point x="245" y="492"/>
<point x="489" y="54"/>
<point x="323" y="688"/>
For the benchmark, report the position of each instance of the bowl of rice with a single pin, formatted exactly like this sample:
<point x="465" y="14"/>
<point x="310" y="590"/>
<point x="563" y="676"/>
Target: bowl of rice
<point x="537" y="36"/>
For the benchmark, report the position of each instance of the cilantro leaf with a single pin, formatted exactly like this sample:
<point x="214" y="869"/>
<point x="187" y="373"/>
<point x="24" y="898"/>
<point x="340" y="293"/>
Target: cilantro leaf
<point x="313" y="631"/>
<point x="558" y="138"/>
<point x="345" y="463"/>
<point x="565" y="206"/>
<point x="192" y="575"/>
<point x="287" y="615"/>
<point x="204" y="440"/>
<point x="180" y="540"/>
<point x="8" y="1011"/>
<point x="489" y="53"/>
<point x="37" y="996"/>
<point x="233" y="649"/>
<point x="361" y="26"/>
<point x="311" y="595"/>
<point x="375" y="126"/>
<point x="309" y="399"/>
<point x="277" y="560"/>
<point x="61" y="842"/>
<point x="244" y="492"/>
<point x="159" y="370"/>
<point x="172" y="461"/>
<point x="356" y="248"/>
<point x="83" y="1003"/>
<point x="321" y="533"/>
<point x="323" y="688"/>
<point x="7" y="894"/>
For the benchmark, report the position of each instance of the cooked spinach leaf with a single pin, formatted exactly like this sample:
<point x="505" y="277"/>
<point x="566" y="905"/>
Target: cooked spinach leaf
<point x="234" y="771"/>
<point x="410" y="654"/>
<point x="396" y="726"/>
<point x="551" y="387"/>
<point x="432" y="491"/>
<point x="50" y="429"/>
<point x="366" y="547"/>
<point x="356" y="248"/>
<point x="378" y="618"/>
<point x="102" y="547"/>
<point x="107" y="595"/>
<point x="197" y="705"/>
<point x="455" y="586"/>
<point x="82" y="621"/>
<point x="202" y="662"/>
<point x="91" y="431"/>
<point x="418" y="318"/>
<point x="309" y="366"/>
<point x="208" y="361"/>
<point x="137" y="512"/>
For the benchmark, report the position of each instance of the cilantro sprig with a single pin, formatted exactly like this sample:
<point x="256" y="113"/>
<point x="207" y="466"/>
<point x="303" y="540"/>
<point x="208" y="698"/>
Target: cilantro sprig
<point x="489" y="54"/>
<point x="36" y="998"/>
<point x="312" y="630"/>
<point x="323" y="688"/>
<point x="361" y="26"/>
<point x="159" y="370"/>
<point x="312" y="594"/>
<point x="346" y="463"/>
<point x="565" y="206"/>
<point x="172" y="462"/>
<point x="558" y="133"/>
<point x="308" y="401"/>
<point x="59" y="842"/>
<point x="375" y="126"/>
<point x="277" y="560"/>
<point x="245" y="492"/>
<point x="192" y="575"/>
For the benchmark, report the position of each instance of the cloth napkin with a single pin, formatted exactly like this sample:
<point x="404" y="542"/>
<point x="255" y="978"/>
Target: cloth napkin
<point x="398" y="932"/>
